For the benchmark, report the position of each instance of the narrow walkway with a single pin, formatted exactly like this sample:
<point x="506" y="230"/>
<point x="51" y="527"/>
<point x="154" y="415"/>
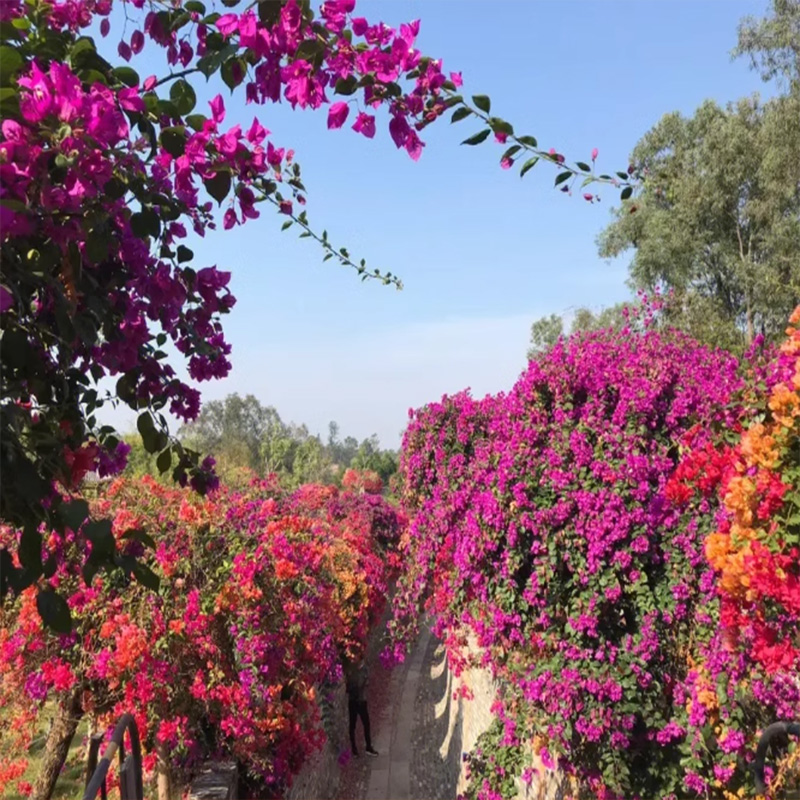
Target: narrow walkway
<point x="409" y="710"/>
<point x="390" y="774"/>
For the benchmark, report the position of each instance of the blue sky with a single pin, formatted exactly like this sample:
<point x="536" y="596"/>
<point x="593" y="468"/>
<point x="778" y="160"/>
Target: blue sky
<point x="482" y="253"/>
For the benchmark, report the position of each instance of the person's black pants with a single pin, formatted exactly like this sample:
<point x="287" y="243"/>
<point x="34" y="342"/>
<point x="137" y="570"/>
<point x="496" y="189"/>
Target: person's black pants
<point x="358" y="708"/>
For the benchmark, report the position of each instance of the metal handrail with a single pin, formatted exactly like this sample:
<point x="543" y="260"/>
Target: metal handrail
<point x="777" y="729"/>
<point x="96" y="773"/>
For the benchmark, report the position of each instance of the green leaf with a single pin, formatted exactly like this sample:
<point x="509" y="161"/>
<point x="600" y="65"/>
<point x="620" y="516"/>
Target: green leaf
<point x="478" y="137"/>
<point x="97" y="245"/>
<point x="196" y="6"/>
<point x="269" y="11"/>
<point x="146" y="223"/>
<point x="482" y="102"/>
<point x="90" y="76"/>
<point x="50" y="566"/>
<point x="501" y="126"/>
<point x="9" y="102"/>
<point x="114" y="189"/>
<point x="127" y="75"/>
<point x="30" y="549"/>
<point x="233" y="72"/>
<point x="173" y="140"/>
<point x="99" y="534"/>
<point x="183" y="96"/>
<point x="515" y="148"/>
<point x="584" y="166"/>
<point x="166" y="108"/>
<point x="145" y="576"/>
<point x="210" y="63"/>
<point x="90" y="569"/>
<point x="54" y="611"/>
<point x="563" y="176"/>
<point x="164" y="460"/>
<point x="626" y="192"/>
<point x="196" y="121"/>
<point x="184" y="254"/>
<point x="309" y="49"/>
<point x="460" y="113"/>
<point x="180" y="20"/>
<point x="528" y="165"/>
<point x="145" y="424"/>
<point x="10" y="62"/>
<point x="346" y="86"/>
<point x="219" y="186"/>
<point x="126" y="387"/>
<point x="74" y="513"/>
<point x="151" y="438"/>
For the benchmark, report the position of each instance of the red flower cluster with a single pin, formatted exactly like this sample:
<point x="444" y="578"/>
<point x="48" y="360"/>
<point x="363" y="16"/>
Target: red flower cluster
<point x="261" y="595"/>
<point x="703" y="469"/>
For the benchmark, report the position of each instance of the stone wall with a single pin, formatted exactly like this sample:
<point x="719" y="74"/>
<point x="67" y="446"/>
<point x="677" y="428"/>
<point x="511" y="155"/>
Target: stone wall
<point x="215" y="781"/>
<point x="469" y="718"/>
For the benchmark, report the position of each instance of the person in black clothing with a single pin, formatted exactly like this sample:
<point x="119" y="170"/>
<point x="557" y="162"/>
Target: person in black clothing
<point x="356" y="681"/>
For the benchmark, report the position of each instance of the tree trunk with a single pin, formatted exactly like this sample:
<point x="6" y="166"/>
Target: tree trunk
<point x="65" y="723"/>
<point x="751" y="333"/>
<point x="163" y="782"/>
<point x="92" y="727"/>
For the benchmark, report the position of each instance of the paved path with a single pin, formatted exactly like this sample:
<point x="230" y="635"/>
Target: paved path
<point x="418" y="760"/>
<point x="390" y="774"/>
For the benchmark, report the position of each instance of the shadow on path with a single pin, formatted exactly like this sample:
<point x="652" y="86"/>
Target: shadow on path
<point x="436" y="737"/>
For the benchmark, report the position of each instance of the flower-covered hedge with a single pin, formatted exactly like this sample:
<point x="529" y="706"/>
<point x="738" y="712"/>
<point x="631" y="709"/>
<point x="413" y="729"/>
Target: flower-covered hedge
<point x="260" y="596"/>
<point x="549" y="527"/>
<point x="756" y="548"/>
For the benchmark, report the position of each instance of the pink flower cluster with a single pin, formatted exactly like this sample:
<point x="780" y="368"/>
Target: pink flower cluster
<point x="104" y="175"/>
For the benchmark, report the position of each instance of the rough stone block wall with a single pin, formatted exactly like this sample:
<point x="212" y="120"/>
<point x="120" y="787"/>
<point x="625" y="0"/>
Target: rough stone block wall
<point x="215" y="781"/>
<point x="474" y="716"/>
<point x="319" y="777"/>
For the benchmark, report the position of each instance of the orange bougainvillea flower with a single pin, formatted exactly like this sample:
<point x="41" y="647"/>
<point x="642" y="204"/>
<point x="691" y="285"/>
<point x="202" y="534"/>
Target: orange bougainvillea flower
<point x="785" y="405"/>
<point x="758" y="573"/>
<point x="758" y="447"/>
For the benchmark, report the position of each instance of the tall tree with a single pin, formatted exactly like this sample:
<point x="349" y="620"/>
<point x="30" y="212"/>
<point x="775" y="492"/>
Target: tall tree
<point x="718" y="218"/>
<point x="232" y="430"/>
<point x="773" y="43"/>
<point x="371" y="457"/>
<point x="546" y="331"/>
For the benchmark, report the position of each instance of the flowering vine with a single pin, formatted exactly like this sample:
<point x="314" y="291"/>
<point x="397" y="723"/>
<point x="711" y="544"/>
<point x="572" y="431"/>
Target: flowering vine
<point x="559" y="538"/>
<point x="104" y="175"/>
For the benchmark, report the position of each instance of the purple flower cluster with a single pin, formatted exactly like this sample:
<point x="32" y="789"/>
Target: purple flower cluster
<point x="542" y="532"/>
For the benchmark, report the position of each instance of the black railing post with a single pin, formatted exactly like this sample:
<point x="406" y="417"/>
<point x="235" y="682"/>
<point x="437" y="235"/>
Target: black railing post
<point x="780" y="731"/>
<point x="97" y="772"/>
